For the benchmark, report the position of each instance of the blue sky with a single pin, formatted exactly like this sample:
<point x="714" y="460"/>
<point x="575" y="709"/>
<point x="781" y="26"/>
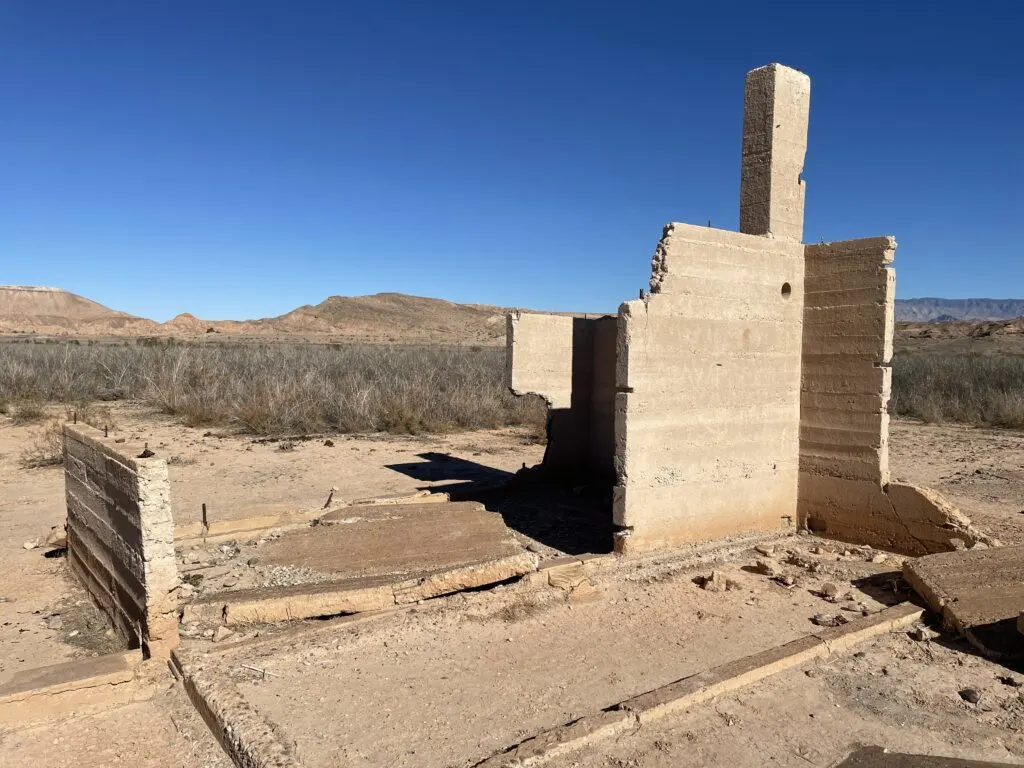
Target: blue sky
<point x="238" y="159"/>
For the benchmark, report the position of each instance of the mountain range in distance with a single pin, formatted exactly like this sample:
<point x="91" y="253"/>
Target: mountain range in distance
<point x="399" y="318"/>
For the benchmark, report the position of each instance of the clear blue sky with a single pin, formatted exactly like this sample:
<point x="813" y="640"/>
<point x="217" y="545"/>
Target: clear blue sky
<point x="238" y="159"/>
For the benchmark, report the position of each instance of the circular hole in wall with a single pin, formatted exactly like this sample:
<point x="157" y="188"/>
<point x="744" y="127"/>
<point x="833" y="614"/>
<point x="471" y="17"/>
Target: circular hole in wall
<point x="786" y="290"/>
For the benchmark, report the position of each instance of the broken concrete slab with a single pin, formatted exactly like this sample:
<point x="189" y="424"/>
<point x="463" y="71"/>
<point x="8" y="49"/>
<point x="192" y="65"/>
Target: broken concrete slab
<point x="397" y="540"/>
<point x="978" y="592"/>
<point x="73" y="687"/>
<point x="247" y="737"/>
<point x="370" y="558"/>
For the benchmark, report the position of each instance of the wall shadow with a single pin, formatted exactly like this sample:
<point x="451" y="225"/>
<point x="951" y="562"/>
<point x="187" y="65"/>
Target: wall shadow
<point x="575" y="519"/>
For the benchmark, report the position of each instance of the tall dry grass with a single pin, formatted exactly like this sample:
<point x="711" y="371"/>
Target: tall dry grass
<point x="277" y="388"/>
<point x="973" y="389"/>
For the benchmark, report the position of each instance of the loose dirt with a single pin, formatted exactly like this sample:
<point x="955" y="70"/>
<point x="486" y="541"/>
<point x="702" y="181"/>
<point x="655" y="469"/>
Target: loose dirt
<point x="456" y="679"/>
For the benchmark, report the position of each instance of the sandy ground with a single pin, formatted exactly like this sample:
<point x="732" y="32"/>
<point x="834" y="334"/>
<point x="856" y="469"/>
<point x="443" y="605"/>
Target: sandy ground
<point x="235" y="477"/>
<point x="896" y="693"/>
<point x="452" y="682"/>
<point x="979" y="470"/>
<point x="451" y="685"/>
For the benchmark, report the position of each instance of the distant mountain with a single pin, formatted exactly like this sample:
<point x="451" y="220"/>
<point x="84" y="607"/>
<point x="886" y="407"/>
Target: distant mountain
<point x="929" y="310"/>
<point x="382" y="317"/>
<point x="52" y="311"/>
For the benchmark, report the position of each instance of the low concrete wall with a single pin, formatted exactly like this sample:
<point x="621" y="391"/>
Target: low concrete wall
<point x="708" y="402"/>
<point x="121" y="536"/>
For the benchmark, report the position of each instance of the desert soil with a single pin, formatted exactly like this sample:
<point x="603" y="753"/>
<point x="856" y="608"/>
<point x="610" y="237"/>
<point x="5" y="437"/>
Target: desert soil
<point x="458" y="678"/>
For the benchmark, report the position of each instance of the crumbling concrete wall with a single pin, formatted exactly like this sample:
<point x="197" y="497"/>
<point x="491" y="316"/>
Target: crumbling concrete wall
<point x="742" y="403"/>
<point x="708" y="406"/>
<point x="570" y="362"/>
<point x="120" y="536"/>
<point x="845" y="490"/>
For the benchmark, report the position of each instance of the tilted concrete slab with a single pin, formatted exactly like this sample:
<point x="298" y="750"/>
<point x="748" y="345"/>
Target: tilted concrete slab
<point x="974" y="591"/>
<point x="370" y="558"/>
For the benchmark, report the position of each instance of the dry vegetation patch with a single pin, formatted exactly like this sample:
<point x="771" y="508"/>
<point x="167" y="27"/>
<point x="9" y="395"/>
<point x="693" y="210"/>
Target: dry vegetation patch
<point x="964" y="387"/>
<point x="276" y="388"/>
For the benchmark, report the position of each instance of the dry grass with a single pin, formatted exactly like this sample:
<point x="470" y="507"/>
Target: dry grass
<point x="277" y="388"/>
<point x="974" y="389"/>
<point x="46" y="448"/>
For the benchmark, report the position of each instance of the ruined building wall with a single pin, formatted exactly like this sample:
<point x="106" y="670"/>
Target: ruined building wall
<point x="120" y="536"/>
<point x="570" y="362"/>
<point x="707" y="411"/>
<point x="845" y="489"/>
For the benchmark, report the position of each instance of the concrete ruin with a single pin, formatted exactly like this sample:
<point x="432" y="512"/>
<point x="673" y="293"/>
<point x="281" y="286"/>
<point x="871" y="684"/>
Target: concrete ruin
<point x="120" y="536"/>
<point x="749" y="390"/>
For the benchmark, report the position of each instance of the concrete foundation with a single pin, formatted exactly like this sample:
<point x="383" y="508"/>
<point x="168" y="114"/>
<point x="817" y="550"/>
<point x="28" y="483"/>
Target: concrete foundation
<point x="751" y="385"/>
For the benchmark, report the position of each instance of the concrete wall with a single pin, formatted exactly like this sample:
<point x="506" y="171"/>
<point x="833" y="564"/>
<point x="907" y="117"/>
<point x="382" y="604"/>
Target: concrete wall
<point x="845" y="490"/>
<point x="570" y="362"/>
<point x="847" y="346"/>
<point x="121" y="536"/>
<point x="776" y="107"/>
<point x="708" y="407"/>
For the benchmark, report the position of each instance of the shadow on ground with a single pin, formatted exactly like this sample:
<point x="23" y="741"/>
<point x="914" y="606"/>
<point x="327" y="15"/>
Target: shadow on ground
<point x="576" y="520"/>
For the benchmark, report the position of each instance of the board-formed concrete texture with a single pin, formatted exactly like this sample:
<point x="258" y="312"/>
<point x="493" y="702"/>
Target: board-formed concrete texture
<point x="708" y="403"/>
<point x="845" y="490"/>
<point x="752" y="384"/>
<point x="776" y="106"/>
<point x="120" y="536"/>
<point x="570" y="362"/>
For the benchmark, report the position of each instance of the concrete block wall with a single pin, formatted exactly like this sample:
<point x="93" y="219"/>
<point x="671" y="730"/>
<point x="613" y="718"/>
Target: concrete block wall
<point x="708" y="378"/>
<point x="121" y="536"/>
<point x="570" y="362"/>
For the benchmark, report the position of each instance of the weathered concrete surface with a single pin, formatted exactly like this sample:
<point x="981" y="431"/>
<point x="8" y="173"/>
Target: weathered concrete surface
<point x="847" y="345"/>
<point x="376" y="557"/>
<point x="845" y="493"/>
<point x="776" y="107"/>
<point x="74" y="687"/>
<point x="876" y="757"/>
<point x="570" y="362"/>
<point x="898" y="517"/>
<point x="539" y="356"/>
<point x="395" y="540"/>
<point x="120" y="536"/>
<point x="708" y="378"/>
<point x="248" y="738"/>
<point x="752" y="385"/>
<point x="973" y="589"/>
<point x="696" y="689"/>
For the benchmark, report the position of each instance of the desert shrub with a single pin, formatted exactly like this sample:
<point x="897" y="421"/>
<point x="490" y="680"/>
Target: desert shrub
<point x="279" y="388"/>
<point x="28" y="412"/>
<point x="974" y="389"/>
<point x="46" y="448"/>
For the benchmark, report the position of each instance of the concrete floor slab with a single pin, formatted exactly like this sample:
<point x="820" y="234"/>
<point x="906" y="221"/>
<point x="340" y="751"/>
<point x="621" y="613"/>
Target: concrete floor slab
<point x="979" y="592"/>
